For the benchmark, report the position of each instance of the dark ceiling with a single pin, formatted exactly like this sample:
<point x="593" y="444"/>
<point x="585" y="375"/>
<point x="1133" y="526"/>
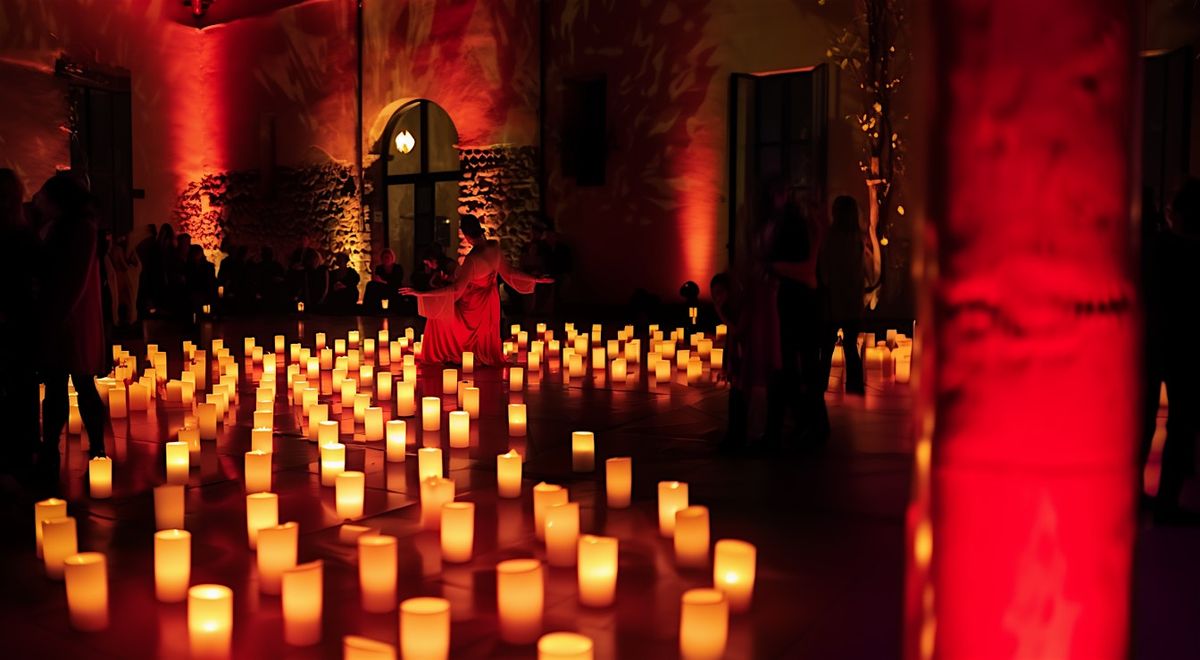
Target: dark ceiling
<point x="224" y="11"/>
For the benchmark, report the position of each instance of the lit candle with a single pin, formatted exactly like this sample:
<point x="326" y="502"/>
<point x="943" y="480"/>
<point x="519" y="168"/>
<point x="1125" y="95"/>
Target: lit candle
<point x="435" y="491"/>
<point x="262" y="510"/>
<point x="516" y="419"/>
<point x="377" y="571"/>
<point x="206" y="413"/>
<point x="583" y="451"/>
<point x="87" y="591"/>
<point x="691" y="536"/>
<point x="544" y="496"/>
<point x="431" y="413"/>
<point x="117" y="408"/>
<point x="618" y="474"/>
<point x="470" y="401"/>
<point x="460" y="429"/>
<point x="362" y="401"/>
<point x="355" y="647"/>
<point x="733" y="572"/>
<point x="662" y="370"/>
<point x="49" y="509"/>
<point x="172" y="564"/>
<point x="575" y="365"/>
<point x="58" y="543"/>
<point x="520" y="595"/>
<point x="258" y="471"/>
<point x="449" y="381"/>
<point x="458" y="531"/>
<point x="210" y="620"/>
<point x="425" y="628"/>
<point x="534" y="360"/>
<point x="716" y="358"/>
<point x="302" y="603"/>
<point x="672" y="496"/>
<point x="139" y="397"/>
<point x="564" y="646"/>
<point x="262" y="439"/>
<point x="516" y="379"/>
<point x="333" y="461"/>
<point x="325" y="356"/>
<point x="597" y="570"/>
<point x="168" y="507"/>
<point x="178" y="460"/>
<point x="383" y="386"/>
<point x="468" y="362"/>
<point x="562" y="533"/>
<point x="429" y="463"/>
<point x="191" y="436"/>
<point x="348" y="390"/>
<point x="277" y="551"/>
<point x="100" y="476"/>
<point x="373" y="423"/>
<point x="397" y="440"/>
<point x="406" y="398"/>
<point x="348" y="491"/>
<point x="618" y="369"/>
<point x="326" y="432"/>
<point x="508" y="474"/>
<point x="703" y="624"/>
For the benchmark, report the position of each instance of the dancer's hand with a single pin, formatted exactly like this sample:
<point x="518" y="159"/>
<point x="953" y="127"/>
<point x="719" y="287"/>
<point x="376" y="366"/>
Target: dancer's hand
<point x="543" y="280"/>
<point x="409" y="291"/>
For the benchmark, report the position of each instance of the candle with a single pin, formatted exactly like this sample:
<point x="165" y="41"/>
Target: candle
<point x="178" y="461"/>
<point x="583" y="451"/>
<point x="262" y="439"/>
<point x="406" y="398"/>
<point x="425" y="628"/>
<point x="458" y="531"/>
<point x="383" y="386"/>
<point x="435" y="491"/>
<point x="672" y="496"/>
<point x="468" y="362"/>
<point x="733" y="572"/>
<point x="210" y="620"/>
<point x="348" y="389"/>
<point x="691" y="536"/>
<point x="168" y="507"/>
<point x="449" y="381"/>
<point x="49" y="509"/>
<point x="694" y="370"/>
<point x="258" y="471"/>
<point x="377" y="569"/>
<point x="470" y="401"/>
<point x="534" y="360"/>
<point x="460" y="429"/>
<point x="516" y="419"/>
<point x="516" y="379"/>
<point x="618" y="473"/>
<point x="564" y="646"/>
<point x="363" y="648"/>
<point x="87" y="591"/>
<point x="262" y="510"/>
<point x="362" y="401"/>
<point x="562" y="533"/>
<point x="206" y="413"/>
<point x="431" y="413"/>
<point x="519" y="598"/>
<point x="397" y="440"/>
<point x="597" y="559"/>
<point x="667" y="350"/>
<point x="191" y="436"/>
<point x="58" y="543"/>
<point x="326" y="430"/>
<point x="662" y="370"/>
<point x="618" y="369"/>
<point x="139" y="396"/>
<point x="544" y="496"/>
<point x="703" y="624"/>
<point x="333" y="461"/>
<point x="373" y="423"/>
<point x="429" y="463"/>
<point x="302" y="603"/>
<point x="116" y="401"/>
<point x="508" y="474"/>
<point x="172" y="564"/>
<point x="349" y="489"/>
<point x="100" y="476"/>
<point x="277" y="550"/>
<point x="716" y="358"/>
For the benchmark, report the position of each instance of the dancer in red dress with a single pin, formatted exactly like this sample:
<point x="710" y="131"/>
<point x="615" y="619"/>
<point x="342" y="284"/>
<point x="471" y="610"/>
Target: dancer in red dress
<point x="465" y="316"/>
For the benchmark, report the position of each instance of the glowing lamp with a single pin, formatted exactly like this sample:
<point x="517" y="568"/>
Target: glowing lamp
<point x="48" y="509"/>
<point x="703" y="624"/>
<point x="544" y="496"/>
<point x="405" y="142"/>
<point x="117" y="405"/>
<point x="508" y="474"/>
<point x="349" y="490"/>
<point x="302" y="603"/>
<point x="397" y="440"/>
<point x="100" y="476"/>
<point x="672" y="496"/>
<point x="597" y="559"/>
<point x="583" y="451"/>
<point x="139" y="397"/>
<point x="694" y="370"/>
<point x="168" y="507"/>
<point x="562" y="533"/>
<point x="355" y="647"/>
<point x="333" y="462"/>
<point x="172" y="565"/>
<point x="458" y="531"/>
<point x="733" y="572"/>
<point x="618" y="473"/>
<point x="210" y="620"/>
<point x="716" y="358"/>
<point x="520" y="596"/>
<point x="516" y="419"/>
<point x="425" y="628"/>
<point x="429" y="463"/>
<point x="87" y="591"/>
<point x="662" y="370"/>
<point x="377" y="572"/>
<point x="564" y="646"/>
<point x="262" y="510"/>
<point x="258" y="471"/>
<point x="277" y="552"/>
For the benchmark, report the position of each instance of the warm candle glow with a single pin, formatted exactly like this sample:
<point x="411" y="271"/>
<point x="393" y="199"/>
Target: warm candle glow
<point x="618" y="476"/>
<point x="470" y="401"/>
<point x="516" y="379"/>
<point x="262" y="510"/>
<point x="210" y="620"/>
<point x="348" y="491"/>
<point x="516" y="419"/>
<point x="302" y="603"/>
<point x="431" y="413"/>
<point x="460" y="429"/>
<point x="333" y="462"/>
<point x="716" y="358"/>
<point x="508" y="474"/>
<point x="583" y="451"/>
<point x="373" y="423"/>
<point x="672" y="496"/>
<point x="562" y="533"/>
<point x="564" y="646"/>
<point x="429" y="463"/>
<point x="117" y="408"/>
<point x="327" y="431"/>
<point x="520" y="595"/>
<point x="362" y="400"/>
<point x="258" y="471"/>
<point x="87" y="591"/>
<point x="734" y="571"/>
<point x="206" y="415"/>
<point x="468" y="362"/>
<point x="597" y="557"/>
<point x="277" y="552"/>
<point x="58" y="543"/>
<point x="377" y="570"/>
<point x="100" y="476"/>
<point x="435" y="491"/>
<point x="618" y="369"/>
<point x="691" y="537"/>
<point x="703" y="624"/>
<point x="363" y="648"/>
<point x="449" y="381"/>
<point x="397" y="440"/>
<point x="168" y="507"/>
<point x="48" y="509"/>
<point x="458" y="531"/>
<point x="425" y="629"/>
<point x="172" y="564"/>
<point x="406" y="392"/>
<point x="544" y="496"/>
<point x="662" y="370"/>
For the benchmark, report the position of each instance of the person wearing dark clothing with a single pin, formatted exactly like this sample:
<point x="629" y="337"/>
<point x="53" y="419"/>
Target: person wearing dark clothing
<point x="234" y="278"/>
<point x="312" y="278"/>
<point x="556" y="262"/>
<point x="386" y="280"/>
<point x="269" y="280"/>
<point x="151" y="274"/>
<point x="436" y="269"/>
<point x="200" y="280"/>
<point x="18" y="377"/>
<point x="841" y="273"/>
<point x="343" y="285"/>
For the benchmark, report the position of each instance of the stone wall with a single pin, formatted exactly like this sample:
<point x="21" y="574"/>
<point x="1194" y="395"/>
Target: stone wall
<point x="499" y="186"/>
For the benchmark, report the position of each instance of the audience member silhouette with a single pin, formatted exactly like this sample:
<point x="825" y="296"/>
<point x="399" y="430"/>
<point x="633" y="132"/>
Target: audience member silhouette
<point x="436" y="271"/>
<point x="386" y="280"/>
<point x="269" y="279"/>
<point x="200" y="280"/>
<point x="151" y="274"/>
<point x="343" y="285"/>
<point x="312" y="278"/>
<point x="18" y="378"/>
<point x="124" y="276"/>
<point x="841" y="273"/>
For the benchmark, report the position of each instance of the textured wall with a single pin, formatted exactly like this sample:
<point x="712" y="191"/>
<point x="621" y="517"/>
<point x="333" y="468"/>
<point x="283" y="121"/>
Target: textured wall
<point x="500" y="188"/>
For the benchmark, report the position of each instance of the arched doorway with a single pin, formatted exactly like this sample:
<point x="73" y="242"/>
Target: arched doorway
<point x="420" y="181"/>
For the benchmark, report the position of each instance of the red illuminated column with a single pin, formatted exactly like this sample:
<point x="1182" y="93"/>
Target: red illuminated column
<point x="1031" y="401"/>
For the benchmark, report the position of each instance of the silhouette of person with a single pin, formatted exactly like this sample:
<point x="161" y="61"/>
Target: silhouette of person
<point x="18" y="377"/>
<point x="841" y="271"/>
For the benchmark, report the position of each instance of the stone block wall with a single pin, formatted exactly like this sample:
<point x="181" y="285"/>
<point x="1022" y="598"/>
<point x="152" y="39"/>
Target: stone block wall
<point x="499" y="186"/>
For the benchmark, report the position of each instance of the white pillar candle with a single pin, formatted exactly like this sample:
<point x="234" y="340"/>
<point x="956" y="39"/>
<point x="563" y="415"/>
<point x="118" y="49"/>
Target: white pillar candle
<point x="373" y="423"/>
<point x="117" y="405"/>
<point x="366" y="375"/>
<point x="168" y="506"/>
<point x="431" y="413"/>
<point x="583" y="451"/>
<point x="716" y="359"/>
<point x="516" y="379"/>
<point x="460" y="429"/>
<point x="565" y="646"/>
<point x="206" y="414"/>
<point x="468" y="362"/>
<point x="87" y="591"/>
<point x="172" y="565"/>
<point x="362" y="401"/>
<point x="691" y="537"/>
<point x="191" y="436"/>
<point x="409" y="371"/>
<point x="694" y="370"/>
<point x="48" y="509"/>
<point x="662" y="371"/>
<point x="470" y="401"/>
<point x="139" y="397"/>
<point x="425" y="628"/>
<point x="397" y="440"/>
<point x="316" y="415"/>
<point x="508" y="474"/>
<point x="210" y="620"/>
<point x="178" y="462"/>
<point x="520" y="596"/>
<point x="258" y="471"/>
<point x="544" y="496"/>
<point x="533" y="361"/>
<point x="575" y="367"/>
<point x="672" y="496"/>
<point x="618" y="476"/>
<point x="449" y="381"/>
<point x="58" y="542"/>
<point x="734" y="567"/>
<point x="458" y="531"/>
<point x="100" y="476"/>
<point x="597" y="558"/>
<point x="303" y="590"/>
<point x="262" y="510"/>
<point x="383" y="386"/>
<point x="703" y="624"/>
<point x="562" y="533"/>
<point x="348" y="390"/>
<point x="327" y="433"/>
<point x="262" y="439"/>
<point x="333" y="462"/>
<point x="618" y="369"/>
<point x="429" y="463"/>
<point x="516" y="420"/>
<point x="277" y="552"/>
<point x="406" y="398"/>
<point x="355" y="647"/>
<point x="435" y="492"/>
<point x="377" y="571"/>
<point x="349" y="491"/>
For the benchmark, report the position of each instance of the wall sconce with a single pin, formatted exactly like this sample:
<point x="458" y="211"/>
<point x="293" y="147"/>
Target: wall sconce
<point x="405" y="142"/>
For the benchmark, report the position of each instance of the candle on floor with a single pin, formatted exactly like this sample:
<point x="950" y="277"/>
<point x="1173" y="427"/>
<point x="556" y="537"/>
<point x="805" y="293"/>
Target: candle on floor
<point x="348" y="390"/>
<point x="178" y="462"/>
<point x="468" y="362"/>
<point x="168" y="506"/>
<point x="583" y="451"/>
<point x="406" y="398"/>
<point x="172" y="564"/>
<point x="694" y="370"/>
<point x="597" y="559"/>
<point x="302" y="603"/>
<point x="348" y="492"/>
<point x="262" y="510"/>
<point x="117" y="405"/>
<point x="355" y="647"/>
<point x="139" y="397"/>
<point x="516" y="379"/>
<point x="87" y="591"/>
<point x="544" y="496"/>
<point x="191" y="436"/>
<point x="262" y="439"/>
<point x="508" y="474"/>
<point x="618" y="369"/>
<point x="210" y="620"/>
<point x="703" y="624"/>
<point x="425" y="628"/>
<point x="618" y="476"/>
<point x="662" y="370"/>
<point x="333" y="462"/>
<point x="520" y="595"/>
<point x="533" y="361"/>
<point x="383" y="386"/>
<point x="516" y="419"/>
<point x="575" y="365"/>
<point x="258" y="471"/>
<point x="429" y="463"/>
<point x="58" y="543"/>
<point x="460" y="429"/>
<point x="48" y="509"/>
<point x="564" y="646"/>
<point x="562" y="533"/>
<point x="377" y="570"/>
<point x="672" y="496"/>
<point x="362" y="401"/>
<point x="100" y="476"/>
<point x="449" y="381"/>
<point x="691" y="537"/>
<point x="435" y="491"/>
<point x="599" y="358"/>
<point x="431" y="413"/>
<point x="206" y="414"/>
<point x="716" y="358"/>
<point x="327" y="431"/>
<point x="458" y="531"/>
<point x="397" y="440"/>
<point x="373" y="423"/>
<point x="470" y="401"/>
<point x="734" y="571"/>
<point x="277" y="552"/>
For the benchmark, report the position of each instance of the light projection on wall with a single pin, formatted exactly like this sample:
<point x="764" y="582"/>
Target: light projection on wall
<point x="405" y="142"/>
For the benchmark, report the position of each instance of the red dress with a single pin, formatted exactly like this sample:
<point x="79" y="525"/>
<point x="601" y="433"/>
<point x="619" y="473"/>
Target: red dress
<point x="465" y="316"/>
